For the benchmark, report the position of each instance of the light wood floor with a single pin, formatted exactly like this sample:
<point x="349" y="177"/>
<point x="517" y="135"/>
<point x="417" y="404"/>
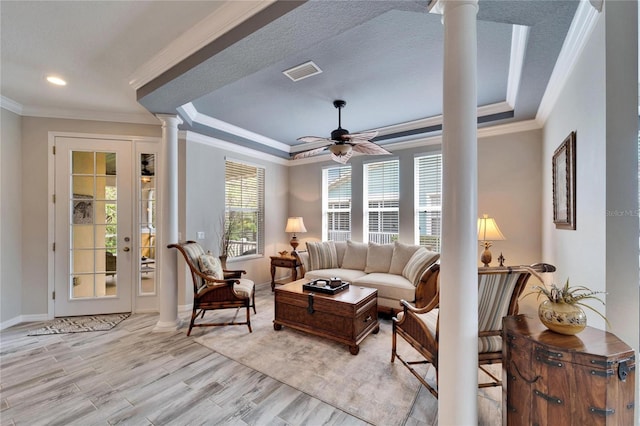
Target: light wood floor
<point x="132" y="376"/>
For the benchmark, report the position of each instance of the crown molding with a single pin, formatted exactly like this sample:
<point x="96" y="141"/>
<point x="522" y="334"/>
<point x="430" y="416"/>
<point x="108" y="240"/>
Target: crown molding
<point x="206" y="120"/>
<point x="584" y="21"/>
<point x="11" y="105"/>
<point x="190" y="136"/>
<point x="229" y="15"/>
<point x="70" y="114"/>
<point x="519" y="39"/>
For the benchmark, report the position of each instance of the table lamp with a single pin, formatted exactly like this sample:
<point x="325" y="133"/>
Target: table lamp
<point x="295" y="224"/>
<point x="488" y="231"/>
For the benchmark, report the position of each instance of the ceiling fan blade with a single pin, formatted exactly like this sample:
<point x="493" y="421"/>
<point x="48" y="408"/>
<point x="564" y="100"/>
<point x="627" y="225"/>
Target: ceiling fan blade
<point x="314" y="139"/>
<point x="363" y="136"/>
<point x="369" y="148"/>
<point x="342" y="158"/>
<point x="309" y="153"/>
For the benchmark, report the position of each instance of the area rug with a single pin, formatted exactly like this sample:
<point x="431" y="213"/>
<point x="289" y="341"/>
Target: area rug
<point x="80" y="324"/>
<point x="366" y="385"/>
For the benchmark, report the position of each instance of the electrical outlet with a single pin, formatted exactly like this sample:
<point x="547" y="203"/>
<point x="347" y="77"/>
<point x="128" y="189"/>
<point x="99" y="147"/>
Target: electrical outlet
<point x="200" y="235"/>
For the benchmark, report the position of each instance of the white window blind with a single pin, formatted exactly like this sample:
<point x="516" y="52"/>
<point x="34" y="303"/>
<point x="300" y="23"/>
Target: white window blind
<point x="336" y="203"/>
<point x="244" y="208"/>
<point x="428" y="193"/>
<point x="381" y="201"/>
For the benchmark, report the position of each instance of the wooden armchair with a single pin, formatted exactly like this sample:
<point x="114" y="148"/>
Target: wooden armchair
<point x="210" y="293"/>
<point x="498" y="291"/>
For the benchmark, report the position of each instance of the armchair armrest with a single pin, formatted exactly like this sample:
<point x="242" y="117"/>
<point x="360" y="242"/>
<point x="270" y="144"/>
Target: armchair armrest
<point x="231" y="273"/>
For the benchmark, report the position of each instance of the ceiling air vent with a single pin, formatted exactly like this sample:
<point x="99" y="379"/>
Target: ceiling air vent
<point x="302" y="71"/>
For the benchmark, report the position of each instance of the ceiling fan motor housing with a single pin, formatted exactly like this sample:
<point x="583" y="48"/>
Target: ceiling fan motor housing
<point x="338" y="134"/>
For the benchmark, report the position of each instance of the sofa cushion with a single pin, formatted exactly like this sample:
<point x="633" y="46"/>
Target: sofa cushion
<point x="322" y="255"/>
<point x="210" y="265"/>
<point x="348" y="275"/>
<point x="419" y="263"/>
<point x="378" y="257"/>
<point x="341" y="247"/>
<point x="355" y="256"/>
<point x="401" y="255"/>
<point x="389" y="286"/>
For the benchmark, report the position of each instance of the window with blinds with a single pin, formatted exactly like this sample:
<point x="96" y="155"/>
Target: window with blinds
<point x="336" y="203"/>
<point x="381" y="201"/>
<point x="244" y="209"/>
<point x="428" y="202"/>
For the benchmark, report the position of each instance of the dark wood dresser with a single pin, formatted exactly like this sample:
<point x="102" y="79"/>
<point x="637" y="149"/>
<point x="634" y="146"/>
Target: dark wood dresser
<point x="553" y="379"/>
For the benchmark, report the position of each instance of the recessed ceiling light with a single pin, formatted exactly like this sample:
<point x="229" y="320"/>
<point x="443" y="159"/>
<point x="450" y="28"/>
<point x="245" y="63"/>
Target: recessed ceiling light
<point x="56" y="80"/>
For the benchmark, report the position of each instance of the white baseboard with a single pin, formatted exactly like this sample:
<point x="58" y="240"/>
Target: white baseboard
<point x="23" y="318"/>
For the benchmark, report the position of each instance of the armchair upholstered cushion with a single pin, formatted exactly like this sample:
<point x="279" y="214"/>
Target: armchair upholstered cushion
<point x="210" y="265"/>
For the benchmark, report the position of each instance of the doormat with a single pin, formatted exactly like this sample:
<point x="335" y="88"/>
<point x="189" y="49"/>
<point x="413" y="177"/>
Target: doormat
<point x="80" y="324"/>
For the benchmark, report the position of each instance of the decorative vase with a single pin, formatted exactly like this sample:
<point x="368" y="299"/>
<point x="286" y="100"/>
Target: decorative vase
<point x="223" y="261"/>
<point x="563" y="318"/>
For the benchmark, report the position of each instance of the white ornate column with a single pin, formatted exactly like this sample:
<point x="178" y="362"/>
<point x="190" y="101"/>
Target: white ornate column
<point x="168" y="186"/>
<point x="458" y="350"/>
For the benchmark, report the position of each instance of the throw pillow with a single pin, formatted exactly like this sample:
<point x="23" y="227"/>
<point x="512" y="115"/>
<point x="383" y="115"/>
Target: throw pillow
<point x="419" y="262"/>
<point x="322" y="255"/>
<point x="401" y="255"/>
<point x="341" y="247"/>
<point x="378" y="257"/>
<point x="355" y="256"/>
<point x="210" y="265"/>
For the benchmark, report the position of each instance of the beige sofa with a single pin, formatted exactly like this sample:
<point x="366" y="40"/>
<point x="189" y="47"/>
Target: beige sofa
<point x="398" y="271"/>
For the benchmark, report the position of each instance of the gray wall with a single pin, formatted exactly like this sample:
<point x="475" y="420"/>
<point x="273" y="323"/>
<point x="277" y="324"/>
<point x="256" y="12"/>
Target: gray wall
<point x="508" y="190"/>
<point x="599" y="101"/>
<point x="204" y="204"/>
<point x="10" y="216"/>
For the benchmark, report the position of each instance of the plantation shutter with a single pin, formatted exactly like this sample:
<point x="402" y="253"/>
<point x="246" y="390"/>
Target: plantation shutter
<point x="244" y="208"/>
<point x="381" y="201"/>
<point x="428" y="191"/>
<point x="336" y="205"/>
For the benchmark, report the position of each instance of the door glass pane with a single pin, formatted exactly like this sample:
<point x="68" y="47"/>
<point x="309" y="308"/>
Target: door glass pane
<point x="147" y="225"/>
<point x="93" y="225"/>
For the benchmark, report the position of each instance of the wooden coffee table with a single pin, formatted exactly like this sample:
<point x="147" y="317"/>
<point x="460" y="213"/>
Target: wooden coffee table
<point x="346" y="317"/>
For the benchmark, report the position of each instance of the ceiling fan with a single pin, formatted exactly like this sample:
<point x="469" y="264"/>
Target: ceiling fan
<point x="342" y="144"/>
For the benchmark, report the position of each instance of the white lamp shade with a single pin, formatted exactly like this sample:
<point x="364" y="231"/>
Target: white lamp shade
<point x="295" y="224"/>
<point x="488" y="229"/>
<point x="340" y="149"/>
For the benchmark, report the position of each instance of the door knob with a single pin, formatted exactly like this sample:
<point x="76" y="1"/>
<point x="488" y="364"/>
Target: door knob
<point x="126" y="249"/>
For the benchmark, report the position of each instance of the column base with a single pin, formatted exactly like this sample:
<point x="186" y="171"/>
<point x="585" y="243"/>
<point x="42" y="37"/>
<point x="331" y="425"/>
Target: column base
<point x="165" y="326"/>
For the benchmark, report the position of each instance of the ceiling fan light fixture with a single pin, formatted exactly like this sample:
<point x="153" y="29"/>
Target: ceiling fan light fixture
<point x="340" y="149"/>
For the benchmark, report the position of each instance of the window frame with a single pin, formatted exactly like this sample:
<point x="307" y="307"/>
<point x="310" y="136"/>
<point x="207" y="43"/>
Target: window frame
<point x="327" y="210"/>
<point x="258" y="210"/>
<point x="381" y="209"/>
<point x="428" y="208"/>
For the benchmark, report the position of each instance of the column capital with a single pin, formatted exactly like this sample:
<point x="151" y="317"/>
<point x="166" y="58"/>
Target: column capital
<point x="443" y="6"/>
<point x="169" y="120"/>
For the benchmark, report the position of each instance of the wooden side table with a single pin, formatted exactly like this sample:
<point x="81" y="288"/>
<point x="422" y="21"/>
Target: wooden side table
<point x="289" y="262"/>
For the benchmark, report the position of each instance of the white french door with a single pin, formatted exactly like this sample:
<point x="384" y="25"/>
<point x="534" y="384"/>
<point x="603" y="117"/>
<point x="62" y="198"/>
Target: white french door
<point x="95" y="249"/>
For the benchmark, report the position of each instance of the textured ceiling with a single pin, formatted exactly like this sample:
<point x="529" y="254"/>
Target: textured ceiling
<point x="383" y="57"/>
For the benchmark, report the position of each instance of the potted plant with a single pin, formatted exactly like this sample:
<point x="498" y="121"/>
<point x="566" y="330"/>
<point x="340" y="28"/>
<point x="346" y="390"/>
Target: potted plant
<point x="562" y="310"/>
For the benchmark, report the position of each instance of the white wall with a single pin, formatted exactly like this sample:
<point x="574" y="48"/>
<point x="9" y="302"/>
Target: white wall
<point x="599" y="103"/>
<point x="508" y="190"/>
<point x="10" y="216"/>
